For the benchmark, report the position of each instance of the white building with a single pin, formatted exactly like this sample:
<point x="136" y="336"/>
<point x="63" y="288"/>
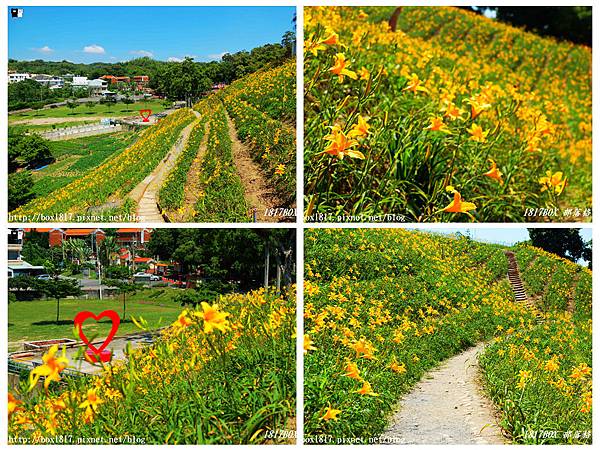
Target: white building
<point x="97" y="86"/>
<point x="16" y="77"/>
<point x="50" y="81"/>
<point x="80" y="82"/>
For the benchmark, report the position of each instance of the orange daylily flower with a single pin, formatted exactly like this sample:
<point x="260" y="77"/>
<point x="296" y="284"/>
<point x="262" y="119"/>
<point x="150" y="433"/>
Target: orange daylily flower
<point x="398" y="368"/>
<point x="280" y="170"/>
<point x="364" y="73"/>
<point x="51" y="368"/>
<point x="458" y="206"/>
<point x="477" y="133"/>
<point x="554" y="182"/>
<point x="366" y="389"/>
<point x="340" y="145"/>
<point x="339" y="68"/>
<point x="494" y="172"/>
<point x="331" y="414"/>
<point x="13" y="404"/>
<point x="437" y="124"/>
<point x="213" y="318"/>
<point x="477" y="106"/>
<point x="452" y="111"/>
<point x="352" y="371"/>
<point x="183" y="320"/>
<point x="308" y="344"/>
<point x="361" y="128"/>
<point x="414" y="84"/>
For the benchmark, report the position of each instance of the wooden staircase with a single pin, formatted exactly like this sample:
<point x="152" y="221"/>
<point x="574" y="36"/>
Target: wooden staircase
<point x="517" y="286"/>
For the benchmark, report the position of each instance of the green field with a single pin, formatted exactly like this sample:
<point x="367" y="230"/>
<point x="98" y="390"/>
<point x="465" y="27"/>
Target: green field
<point x="112" y="110"/>
<point x="75" y="157"/>
<point x="48" y="127"/>
<point x="36" y="319"/>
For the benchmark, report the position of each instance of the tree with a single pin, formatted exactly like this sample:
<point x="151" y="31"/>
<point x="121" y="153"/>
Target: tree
<point x="288" y="41"/>
<point x="573" y="23"/>
<point x="27" y="150"/>
<point x="125" y="288"/>
<point x="72" y="105"/>
<point x="58" y="288"/>
<point x="20" y="185"/>
<point x="127" y="100"/>
<point x="564" y="242"/>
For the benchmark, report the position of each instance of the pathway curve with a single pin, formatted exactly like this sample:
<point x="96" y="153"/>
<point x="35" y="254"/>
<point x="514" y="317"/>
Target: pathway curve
<point x="145" y="194"/>
<point x="258" y="193"/>
<point x="446" y="407"/>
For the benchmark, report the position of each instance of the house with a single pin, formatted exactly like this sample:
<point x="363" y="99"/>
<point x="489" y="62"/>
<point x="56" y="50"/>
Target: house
<point x="51" y="81"/>
<point x="16" y="77"/>
<point x="97" y="87"/>
<point x="57" y="236"/>
<point x="16" y="266"/>
<point x="115" y="80"/>
<point x="141" y="81"/>
<point x="80" y="82"/>
<point x="133" y="236"/>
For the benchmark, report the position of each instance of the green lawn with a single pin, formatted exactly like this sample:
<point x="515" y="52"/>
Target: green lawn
<point x="106" y="110"/>
<point x="75" y="157"/>
<point x="35" y="320"/>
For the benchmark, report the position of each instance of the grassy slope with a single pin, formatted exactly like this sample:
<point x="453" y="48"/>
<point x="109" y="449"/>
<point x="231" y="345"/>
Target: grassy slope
<point x="76" y="156"/>
<point x="387" y="282"/>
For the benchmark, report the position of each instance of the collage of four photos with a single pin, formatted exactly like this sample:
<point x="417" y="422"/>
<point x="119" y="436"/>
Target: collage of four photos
<point x="298" y="225"/>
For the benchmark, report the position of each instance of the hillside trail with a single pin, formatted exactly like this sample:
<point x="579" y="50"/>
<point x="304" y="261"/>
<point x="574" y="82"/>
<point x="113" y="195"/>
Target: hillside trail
<point x="145" y="194"/>
<point x="446" y="407"/>
<point x="192" y="186"/>
<point x="258" y="193"/>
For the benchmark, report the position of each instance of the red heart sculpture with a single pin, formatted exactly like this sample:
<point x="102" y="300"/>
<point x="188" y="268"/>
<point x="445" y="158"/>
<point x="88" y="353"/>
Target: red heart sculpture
<point x="145" y="113"/>
<point x="84" y="315"/>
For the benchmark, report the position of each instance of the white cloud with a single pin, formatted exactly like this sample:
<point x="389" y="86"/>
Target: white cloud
<point x="178" y="59"/>
<point x="216" y="56"/>
<point x="44" y="49"/>
<point x="94" y="49"/>
<point x="142" y="53"/>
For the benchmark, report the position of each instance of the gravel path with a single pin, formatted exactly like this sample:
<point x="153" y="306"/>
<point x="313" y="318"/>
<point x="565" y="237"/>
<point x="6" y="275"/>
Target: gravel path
<point x="446" y="407"/>
<point x="146" y="193"/>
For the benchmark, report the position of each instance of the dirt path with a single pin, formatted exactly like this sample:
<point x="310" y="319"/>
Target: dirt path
<point x="191" y="189"/>
<point x="446" y="407"/>
<point x="145" y="194"/>
<point x="257" y="191"/>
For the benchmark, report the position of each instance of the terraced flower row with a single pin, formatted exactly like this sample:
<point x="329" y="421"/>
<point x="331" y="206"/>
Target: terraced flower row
<point x="263" y="108"/>
<point x="113" y="180"/>
<point x="384" y="306"/>
<point x="171" y="195"/>
<point x="221" y="373"/>
<point x="541" y="379"/>
<point x="222" y="194"/>
<point x="551" y="278"/>
<point x="447" y="121"/>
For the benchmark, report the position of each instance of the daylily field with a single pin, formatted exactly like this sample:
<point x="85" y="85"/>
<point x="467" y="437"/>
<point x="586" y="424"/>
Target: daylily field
<point x="384" y="306"/>
<point x="204" y="184"/>
<point x="220" y="374"/>
<point x="451" y="117"/>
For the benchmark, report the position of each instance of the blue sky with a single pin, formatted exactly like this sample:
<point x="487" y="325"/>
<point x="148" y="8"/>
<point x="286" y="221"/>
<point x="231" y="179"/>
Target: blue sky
<point x="111" y="34"/>
<point x="507" y="236"/>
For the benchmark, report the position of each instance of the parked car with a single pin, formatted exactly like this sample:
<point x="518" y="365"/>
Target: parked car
<point x="154" y="278"/>
<point x="43" y="276"/>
